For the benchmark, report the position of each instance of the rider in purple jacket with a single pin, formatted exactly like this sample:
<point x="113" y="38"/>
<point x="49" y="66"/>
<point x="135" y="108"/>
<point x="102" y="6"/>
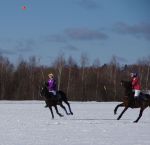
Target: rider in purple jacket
<point x="51" y="84"/>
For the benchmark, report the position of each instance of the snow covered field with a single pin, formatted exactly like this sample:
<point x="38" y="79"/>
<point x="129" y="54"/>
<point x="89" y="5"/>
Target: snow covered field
<point x="93" y="123"/>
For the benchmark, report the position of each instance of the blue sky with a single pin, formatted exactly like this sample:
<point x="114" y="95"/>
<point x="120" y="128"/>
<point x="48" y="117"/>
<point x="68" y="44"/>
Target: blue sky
<point x="99" y="29"/>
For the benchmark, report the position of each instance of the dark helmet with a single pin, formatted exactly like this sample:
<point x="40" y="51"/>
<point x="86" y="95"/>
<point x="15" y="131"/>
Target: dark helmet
<point x="133" y="74"/>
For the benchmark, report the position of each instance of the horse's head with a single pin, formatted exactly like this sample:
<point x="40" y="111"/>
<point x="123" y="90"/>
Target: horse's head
<point x="46" y="84"/>
<point x="44" y="90"/>
<point x="127" y="86"/>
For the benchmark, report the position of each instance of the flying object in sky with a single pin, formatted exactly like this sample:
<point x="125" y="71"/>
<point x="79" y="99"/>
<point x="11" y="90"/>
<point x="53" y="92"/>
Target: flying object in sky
<point x="24" y="8"/>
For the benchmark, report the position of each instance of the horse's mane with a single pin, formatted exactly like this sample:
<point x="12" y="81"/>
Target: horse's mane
<point x="126" y="84"/>
<point x="128" y="87"/>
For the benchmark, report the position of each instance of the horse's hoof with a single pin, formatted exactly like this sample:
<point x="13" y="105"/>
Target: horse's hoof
<point x="70" y="113"/>
<point x="134" y="121"/>
<point x="61" y="115"/>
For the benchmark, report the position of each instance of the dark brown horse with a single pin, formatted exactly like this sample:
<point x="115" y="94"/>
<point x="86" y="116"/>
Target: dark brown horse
<point x="129" y="102"/>
<point x="52" y="100"/>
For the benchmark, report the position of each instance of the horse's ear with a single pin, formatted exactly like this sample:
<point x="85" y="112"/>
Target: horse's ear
<point x="122" y="82"/>
<point x="46" y="83"/>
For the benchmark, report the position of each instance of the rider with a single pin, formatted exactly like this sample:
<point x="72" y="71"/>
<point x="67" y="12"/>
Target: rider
<point x="135" y="85"/>
<point x="52" y="84"/>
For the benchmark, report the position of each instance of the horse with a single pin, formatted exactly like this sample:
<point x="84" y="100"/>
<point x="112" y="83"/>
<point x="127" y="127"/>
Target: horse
<point x="130" y="102"/>
<point x="52" y="100"/>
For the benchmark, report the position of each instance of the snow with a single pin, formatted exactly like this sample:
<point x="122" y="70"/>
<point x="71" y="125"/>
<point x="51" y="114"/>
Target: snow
<point x="93" y="123"/>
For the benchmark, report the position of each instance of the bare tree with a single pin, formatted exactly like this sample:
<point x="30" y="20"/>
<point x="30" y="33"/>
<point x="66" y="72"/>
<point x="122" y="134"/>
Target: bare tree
<point x="144" y="69"/>
<point x="32" y="76"/>
<point x="113" y="65"/>
<point x="96" y="65"/>
<point x="59" y="64"/>
<point x="71" y="63"/>
<point x="148" y="72"/>
<point x="6" y="70"/>
<point x="84" y="62"/>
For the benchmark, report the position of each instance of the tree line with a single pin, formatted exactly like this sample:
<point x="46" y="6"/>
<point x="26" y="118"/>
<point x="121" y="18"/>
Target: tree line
<point x="82" y="82"/>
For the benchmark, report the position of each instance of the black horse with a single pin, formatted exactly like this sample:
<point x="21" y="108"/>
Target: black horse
<point x="129" y="102"/>
<point x="52" y="100"/>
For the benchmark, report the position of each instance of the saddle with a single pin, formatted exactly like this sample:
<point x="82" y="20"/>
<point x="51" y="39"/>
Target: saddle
<point x="135" y="102"/>
<point x="52" y="98"/>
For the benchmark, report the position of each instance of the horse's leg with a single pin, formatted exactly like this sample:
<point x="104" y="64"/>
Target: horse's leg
<point x="124" y="110"/>
<point x="140" y="115"/>
<point x="116" y="108"/>
<point x="68" y="106"/>
<point x="62" y="106"/>
<point x="57" y="111"/>
<point x="46" y="103"/>
<point x="51" y="112"/>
